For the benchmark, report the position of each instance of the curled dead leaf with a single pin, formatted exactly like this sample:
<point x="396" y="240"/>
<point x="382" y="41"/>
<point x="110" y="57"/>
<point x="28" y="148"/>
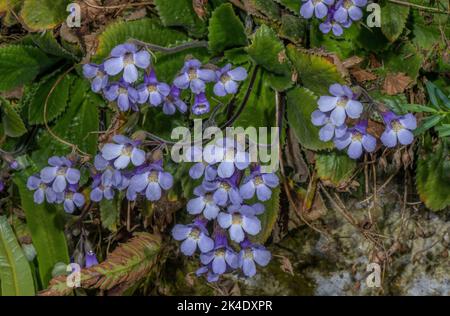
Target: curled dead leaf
<point x="396" y="83"/>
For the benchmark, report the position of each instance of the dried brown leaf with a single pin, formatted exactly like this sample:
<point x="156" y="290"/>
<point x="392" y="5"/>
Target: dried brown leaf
<point x="396" y="83"/>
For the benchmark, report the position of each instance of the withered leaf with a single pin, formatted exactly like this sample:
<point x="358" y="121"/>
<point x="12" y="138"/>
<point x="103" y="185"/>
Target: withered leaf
<point x="396" y="83"/>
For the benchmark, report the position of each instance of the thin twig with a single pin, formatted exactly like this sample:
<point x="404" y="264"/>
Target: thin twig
<point x="73" y="146"/>
<point x="420" y="7"/>
<point x="119" y="6"/>
<point x="170" y="50"/>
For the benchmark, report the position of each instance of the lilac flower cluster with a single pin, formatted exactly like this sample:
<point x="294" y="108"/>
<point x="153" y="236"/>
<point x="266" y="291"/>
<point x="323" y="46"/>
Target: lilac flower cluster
<point x="127" y="60"/>
<point x="122" y="165"/>
<point x="58" y="184"/>
<point x="336" y="15"/>
<point x="332" y="115"/>
<point x="219" y="205"/>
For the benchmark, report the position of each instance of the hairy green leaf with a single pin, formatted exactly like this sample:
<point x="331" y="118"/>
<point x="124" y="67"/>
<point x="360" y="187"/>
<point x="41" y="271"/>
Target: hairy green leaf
<point x="316" y="73"/>
<point x="20" y="64"/>
<point x="15" y="273"/>
<point x="268" y="51"/>
<point x="12" y="122"/>
<point x="57" y="101"/>
<point x="46" y="225"/>
<point x="393" y="20"/>
<point x="44" y="14"/>
<point x="180" y="13"/>
<point x="433" y="177"/>
<point x="335" y="167"/>
<point x="301" y="102"/>
<point x="225" y="30"/>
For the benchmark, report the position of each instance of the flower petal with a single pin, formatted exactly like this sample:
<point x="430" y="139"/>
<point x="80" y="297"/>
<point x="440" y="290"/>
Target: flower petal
<point x="224" y="220"/>
<point x="180" y="232"/>
<point x="405" y="137"/>
<point x="327" y="103"/>
<point x="114" y="65"/>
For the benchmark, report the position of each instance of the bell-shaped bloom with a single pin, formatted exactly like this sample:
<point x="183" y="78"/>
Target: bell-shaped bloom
<point x="41" y="190"/>
<point x="239" y="220"/>
<point x="193" y="236"/>
<point x="228" y="80"/>
<point x="124" y="94"/>
<point x="60" y="173"/>
<point x="259" y="183"/>
<point x="224" y="190"/>
<point x="398" y="129"/>
<point x="151" y="181"/>
<point x="72" y="199"/>
<point x="251" y="254"/>
<point x="152" y="91"/>
<point x="91" y="259"/>
<point x="328" y="130"/>
<point x="127" y="57"/>
<point x="203" y="203"/>
<point x="194" y="77"/>
<point x="173" y="101"/>
<point x="356" y="139"/>
<point x="123" y="152"/>
<point x="341" y="104"/>
<point x="222" y="257"/>
<point x="349" y="10"/>
<point x="201" y="104"/>
<point x="96" y="73"/>
<point x="319" y="8"/>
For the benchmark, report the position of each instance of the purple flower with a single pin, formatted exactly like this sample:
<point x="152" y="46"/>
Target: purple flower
<point x="193" y="236"/>
<point x="127" y="57"/>
<point x="249" y="255"/>
<point x="329" y="130"/>
<point x="91" y="259"/>
<point x="109" y="175"/>
<point x="172" y="102"/>
<point x="125" y="95"/>
<point x="202" y="168"/>
<point x="224" y="190"/>
<point x="239" y="219"/>
<point x="96" y="73"/>
<point x="203" y="203"/>
<point x="72" y="199"/>
<point x="261" y="183"/>
<point x="349" y="10"/>
<point x="356" y="139"/>
<point x="211" y="276"/>
<point x="151" y="180"/>
<point x="194" y="77"/>
<point x="42" y="190"/>
<point x="2" y="186"/>
<point x="341" y="104"/>
<point x="222" y="257"/>
<point x="123" y="152"/>
<point x="398" y="128"/>
<point x="201" y="104"/>
<point x="14" y="165"/>
<point x="317" y="7"/>
<point x="228" y="80"/>
<point x="101" y="188"/>
<point x="231" y="156"/>
<point x="60" y="173"/>
<point x="152" y="91"/>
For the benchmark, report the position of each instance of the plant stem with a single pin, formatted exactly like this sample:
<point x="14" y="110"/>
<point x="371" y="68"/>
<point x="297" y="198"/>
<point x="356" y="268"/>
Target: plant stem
<point x="170" y="50"/>
<point x="417" y="6"/>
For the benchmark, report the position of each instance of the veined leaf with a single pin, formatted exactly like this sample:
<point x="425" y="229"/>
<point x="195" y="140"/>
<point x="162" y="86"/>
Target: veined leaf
<point x="12" y="122"/>
<point x="180" y="13"/>
<point x="316" y="73"/>
<point x="301" y="102"/>
<point x="126" y="265"/>
<point x="57" y="101"/>
<point x="428" y="123"/>
<point x="393" y="20"/>
<point x="15" y="273"/>
<point x="110" y="212"/>
<point x="268" y="51"/>
<point x="432" y="177"/>
<point x="406" y="59"/>
<point x="225" y="30"/>
<point x="44" y="14"/>
<point x="46" y="225"/>
<point x="20" y="64"/>
<point x="335" y="167"/>
<point x="292" y="5"/>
